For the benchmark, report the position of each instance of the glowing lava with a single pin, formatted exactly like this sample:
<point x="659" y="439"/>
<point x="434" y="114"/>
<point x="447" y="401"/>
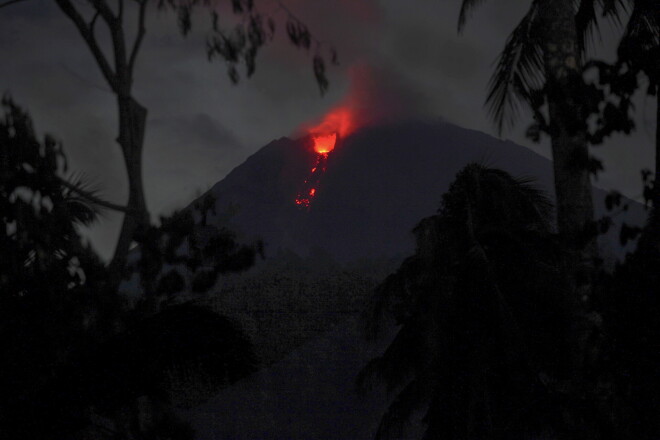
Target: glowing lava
<point x="335" y="125"/>
<point x="324" y="143"/>
<point x="305" y="197"/>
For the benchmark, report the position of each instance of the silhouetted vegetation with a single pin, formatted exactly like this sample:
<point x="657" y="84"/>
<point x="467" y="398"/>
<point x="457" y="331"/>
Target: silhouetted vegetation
<point x="489" y="343"/>
<point x="74" y="361"/>
<point x="241" y="45"/>
<point x="483" y="308"/>
<point x="506" y="329"/>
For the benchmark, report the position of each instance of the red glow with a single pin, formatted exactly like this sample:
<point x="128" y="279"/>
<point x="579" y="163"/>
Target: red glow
<point x="324" y="143"/>
<point x="305" y="197"/>
<point x="337" y="123"/>
<point x="339" y="120"/>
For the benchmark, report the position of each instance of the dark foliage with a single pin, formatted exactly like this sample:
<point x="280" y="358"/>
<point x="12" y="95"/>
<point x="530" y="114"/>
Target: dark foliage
<point x="48" y="277"/>
<point x="483" y="347"/>
<point x="631" y="314"/>
<point x="186" y="254"/>
<point x="137" y="362"/>
<point x="74" y="361"/>
<point x="489" y="344"/>
<point x="242" y="44"/>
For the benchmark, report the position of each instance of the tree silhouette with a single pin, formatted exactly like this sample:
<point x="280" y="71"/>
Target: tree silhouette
<point x="74" y="359"/>
<point x="639" y="52"/>
<point x="49" y="278"/>
<point x="485" y="343"/>
<point x="541" y="66"/>
<point x="239" y="46"/>
<point x="631" y="309"/>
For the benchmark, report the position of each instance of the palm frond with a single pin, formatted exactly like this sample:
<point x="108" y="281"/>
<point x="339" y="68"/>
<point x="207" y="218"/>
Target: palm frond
<point x="501" y="199"/>
<point x="586" y="18"/>
<point x="522" y="198"/>
<point x="643" y="29"/>
<point x="465" y="331"/>
<point x="78" y="188"/>
<point x="519" y="72"/>
<point x="81" y="197"/>
<point x="466" y="9"/>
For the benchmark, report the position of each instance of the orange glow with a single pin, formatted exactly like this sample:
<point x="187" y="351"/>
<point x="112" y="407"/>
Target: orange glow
<point x="338" y="123"/>
<point x="303" y="202"/>
<point x="305" y="197"/>
<point x="324" y="143"/>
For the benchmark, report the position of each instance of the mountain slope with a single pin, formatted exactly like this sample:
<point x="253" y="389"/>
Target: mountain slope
<point x="379" y="183"/>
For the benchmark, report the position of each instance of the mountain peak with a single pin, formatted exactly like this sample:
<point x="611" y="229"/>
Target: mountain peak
<point x="379" y="183"/>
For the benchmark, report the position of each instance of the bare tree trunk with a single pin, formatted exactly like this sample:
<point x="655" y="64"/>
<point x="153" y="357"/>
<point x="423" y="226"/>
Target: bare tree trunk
<point x="132" y="122"/>
<point x="132" y="115"/>
<point x="575" y="211"/>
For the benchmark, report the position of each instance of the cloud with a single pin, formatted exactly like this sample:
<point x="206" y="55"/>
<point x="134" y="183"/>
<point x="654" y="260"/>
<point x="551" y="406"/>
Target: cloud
<point x="375" y="96"/>
<point x="397" y="60"/>
<point x="200" y="130"/>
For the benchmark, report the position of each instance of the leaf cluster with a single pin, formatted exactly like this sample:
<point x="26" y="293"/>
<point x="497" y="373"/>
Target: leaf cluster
<point x="242" y="44"/>
<point x="604" y="106"/>
<point x="185" y="253"/>
<point x="39" y="213"/>
<point x="68" y="349"/>
<point x="481" y="347"/>
<point x="50" y="281"/>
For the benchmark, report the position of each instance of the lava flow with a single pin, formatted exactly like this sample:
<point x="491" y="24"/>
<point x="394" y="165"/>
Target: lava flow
<point x="323" y="145"/>
<point x="336" y="124"/>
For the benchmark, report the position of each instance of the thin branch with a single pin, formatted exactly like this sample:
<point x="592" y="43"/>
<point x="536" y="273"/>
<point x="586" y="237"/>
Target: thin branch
<point x="70" y="11"/>
<point x="114" y="23"/>
<point x="92" y="23"/>
<point x="106" y="12"/>
<point x="295" y="18"/>
<point x="139" y="37"/>
<point x="92" y="198"/>
<point x="118" y="44"/>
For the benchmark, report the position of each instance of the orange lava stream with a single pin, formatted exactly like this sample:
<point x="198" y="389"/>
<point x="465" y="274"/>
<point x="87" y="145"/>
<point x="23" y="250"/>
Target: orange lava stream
<point x="336" y="124"/>
<point x="306" y="196"/>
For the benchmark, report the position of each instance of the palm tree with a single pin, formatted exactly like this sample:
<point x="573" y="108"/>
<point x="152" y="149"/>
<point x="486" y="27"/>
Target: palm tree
<point x="482" y="346"/>
<point x="542" y="63"/>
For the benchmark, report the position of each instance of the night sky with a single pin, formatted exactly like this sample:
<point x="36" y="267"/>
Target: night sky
<point x="404" y="59"/>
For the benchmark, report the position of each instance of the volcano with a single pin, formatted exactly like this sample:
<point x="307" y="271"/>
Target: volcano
<point x="370" y="191"/>
<point x="305" y="324"/>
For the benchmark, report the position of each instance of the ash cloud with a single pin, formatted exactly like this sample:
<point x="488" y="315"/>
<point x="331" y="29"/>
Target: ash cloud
<point x="381" y="96"/>
<point x="376" y="96"/>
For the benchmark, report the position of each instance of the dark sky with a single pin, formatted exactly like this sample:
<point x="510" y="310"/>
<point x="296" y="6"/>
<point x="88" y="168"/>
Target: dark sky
<point x="407" y="55"/>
